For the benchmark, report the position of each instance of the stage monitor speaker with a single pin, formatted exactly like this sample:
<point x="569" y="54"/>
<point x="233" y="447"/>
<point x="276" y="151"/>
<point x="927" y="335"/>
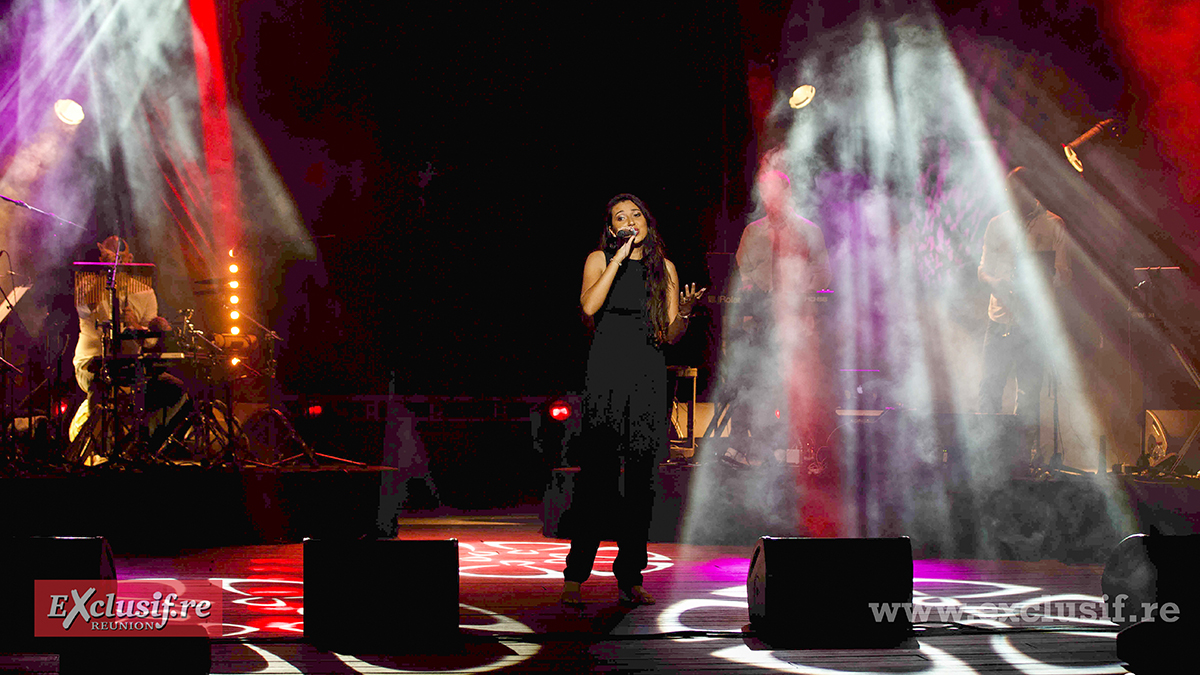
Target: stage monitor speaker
<point x="381" y="596"/>
<point x="1147" y="570"/>
<point x="28" y="559"/>
<point x="39" y="558"/>
<point x="828" y="593"/>
<point x="1157" y="648"/>
<point x="1152" y="590"/>
<point x="130" y="655"/>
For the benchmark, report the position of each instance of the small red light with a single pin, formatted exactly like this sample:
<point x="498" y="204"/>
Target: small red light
<point x="314" y="410"/>
<point x="560" y="411"/>
<point x="776" y="414"/>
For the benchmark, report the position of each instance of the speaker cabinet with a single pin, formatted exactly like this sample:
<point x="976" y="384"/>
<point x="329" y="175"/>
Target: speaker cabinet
<point x="381" y="596"/>
<point x="28" y="559"/>
<point x="40" y="558"/>
<point x="1151" y="589"/>
<point x="1146" y="572"/>
<point x="826" y="593"/>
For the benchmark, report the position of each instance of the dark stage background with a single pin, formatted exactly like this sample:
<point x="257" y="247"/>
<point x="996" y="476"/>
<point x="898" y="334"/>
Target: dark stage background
<point x="452" y="159"/>
<point x="453" y="162"/>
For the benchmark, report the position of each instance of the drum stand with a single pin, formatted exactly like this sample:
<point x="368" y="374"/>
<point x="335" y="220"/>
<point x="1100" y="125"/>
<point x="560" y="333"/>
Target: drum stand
<point x="210" y="433"/>
<point x="111" y="432"/>
<point x="279" y="418"/>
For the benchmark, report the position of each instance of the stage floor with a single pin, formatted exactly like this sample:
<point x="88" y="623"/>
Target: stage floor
<point x="510" y="578"/>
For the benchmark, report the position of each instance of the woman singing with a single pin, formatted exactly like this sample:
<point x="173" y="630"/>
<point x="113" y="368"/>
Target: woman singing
<point x="633" y="292"/>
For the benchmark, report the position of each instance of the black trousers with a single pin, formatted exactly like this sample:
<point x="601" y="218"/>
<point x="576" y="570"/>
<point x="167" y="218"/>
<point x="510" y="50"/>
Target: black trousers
<point x="613" y="498"/>
<point x="1013" y="350"/>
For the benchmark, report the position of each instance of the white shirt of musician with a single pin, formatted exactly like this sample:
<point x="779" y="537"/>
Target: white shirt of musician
<point x="144" y="304"/>
<point x="1044" y="232"/>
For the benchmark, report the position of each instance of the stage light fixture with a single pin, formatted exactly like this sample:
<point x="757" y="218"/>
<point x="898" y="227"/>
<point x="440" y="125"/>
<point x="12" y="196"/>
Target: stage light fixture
<point x="802" y="96"/>
<point x="560" y="411"/>
<point x="233" y="299"/>
<point x="68" y="111"/>
<point x="234" y="361"/>
<point x="1109" y="125"/>
<point x="237" y="343"/>
<point x="235" y="331"/>
<point x="314" y="410"/>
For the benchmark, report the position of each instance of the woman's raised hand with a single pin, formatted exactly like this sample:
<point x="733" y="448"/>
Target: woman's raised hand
<point x="688" y="297"/>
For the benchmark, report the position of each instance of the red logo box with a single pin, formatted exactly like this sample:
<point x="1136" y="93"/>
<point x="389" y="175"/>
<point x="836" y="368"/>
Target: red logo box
<point x="133" y="608"/>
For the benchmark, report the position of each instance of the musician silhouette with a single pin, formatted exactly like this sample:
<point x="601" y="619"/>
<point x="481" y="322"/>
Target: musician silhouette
<point x="138" y="311"/>
<point x="781" y="261"/>
<point x="1024" y="254"/>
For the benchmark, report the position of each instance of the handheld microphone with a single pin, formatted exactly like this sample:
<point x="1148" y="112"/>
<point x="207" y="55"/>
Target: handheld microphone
<point x="619" y="240"/>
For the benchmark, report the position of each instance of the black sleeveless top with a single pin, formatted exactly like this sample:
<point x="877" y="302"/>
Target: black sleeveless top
<point x="625" y="400"/>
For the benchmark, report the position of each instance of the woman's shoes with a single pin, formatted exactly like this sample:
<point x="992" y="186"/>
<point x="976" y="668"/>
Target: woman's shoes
<point x="572" y="595"/>
<point x="634" y="596"/>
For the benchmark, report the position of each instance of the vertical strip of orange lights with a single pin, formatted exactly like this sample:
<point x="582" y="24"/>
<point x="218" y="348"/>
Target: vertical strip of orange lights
<point x="218" y="136"/>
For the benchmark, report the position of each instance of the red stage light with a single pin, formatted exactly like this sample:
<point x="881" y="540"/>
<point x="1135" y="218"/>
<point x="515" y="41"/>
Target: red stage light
<point x="560" y="411"/>
<point x="776" y="414"/>
<point x="314" y="410"/>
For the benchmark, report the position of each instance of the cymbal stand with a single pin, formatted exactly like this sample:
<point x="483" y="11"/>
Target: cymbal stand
<point x="270" y="337"/>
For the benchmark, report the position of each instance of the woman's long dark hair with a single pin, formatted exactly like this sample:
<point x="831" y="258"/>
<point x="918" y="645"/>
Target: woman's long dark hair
<point x="654" y="257"/>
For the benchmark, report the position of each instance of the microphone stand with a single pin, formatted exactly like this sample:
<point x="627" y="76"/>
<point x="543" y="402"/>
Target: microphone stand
<point x="270" y="337"/>
<point x="22" y="204"/>
<point x="110" y="424"/>
<point x="115" y="329"/>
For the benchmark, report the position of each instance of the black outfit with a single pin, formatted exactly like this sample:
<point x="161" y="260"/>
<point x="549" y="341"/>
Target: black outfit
<point x="1011" y="349"/>
<point x="625" y="426"/>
